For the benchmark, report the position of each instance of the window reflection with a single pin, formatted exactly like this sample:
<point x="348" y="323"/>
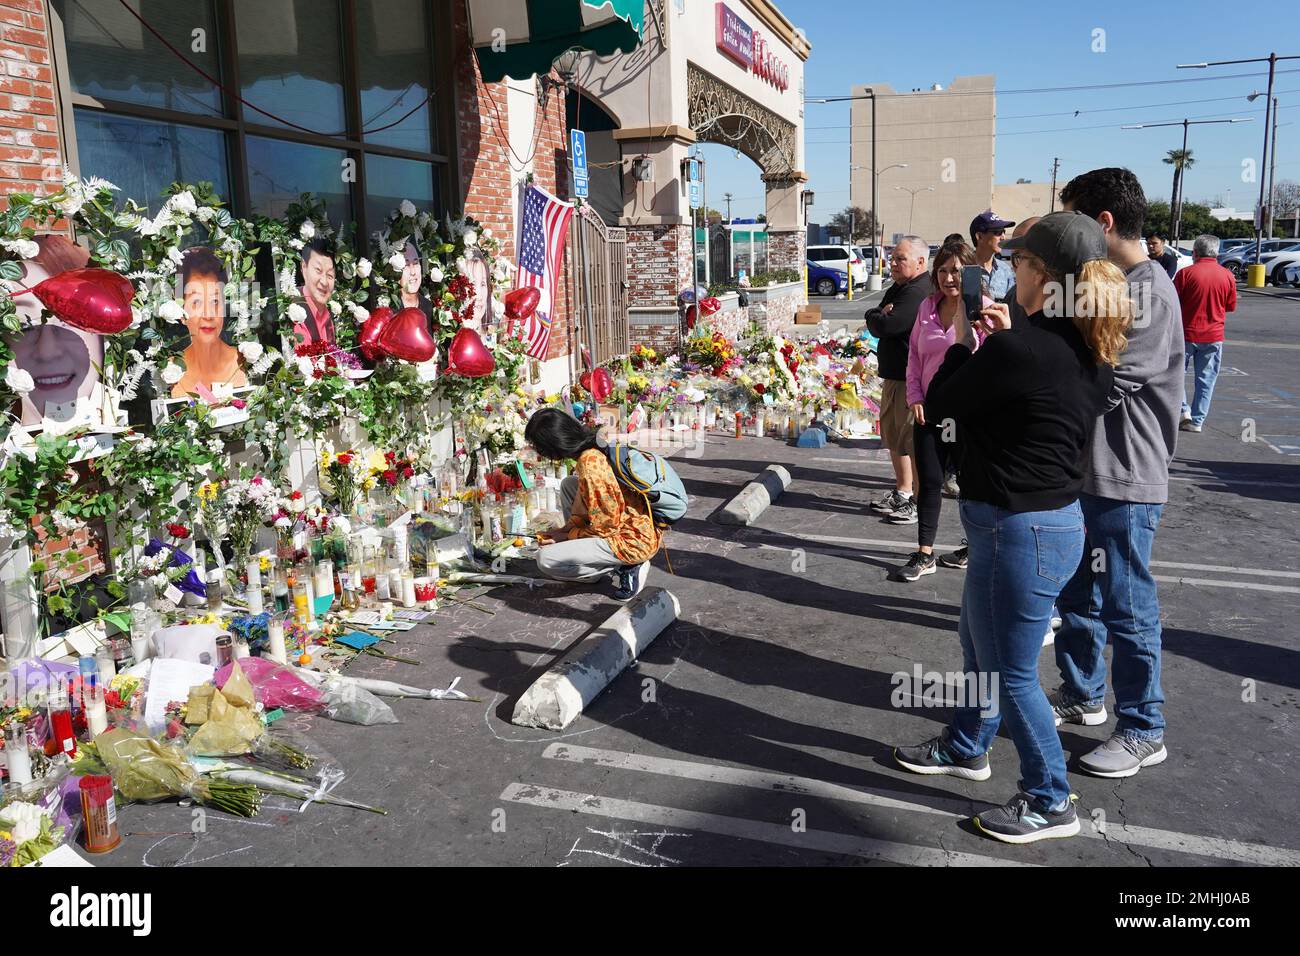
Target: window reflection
<point x="390" y="180"/>
<point x="394" y="71"/>
<point x="290" y="62"/>
<point x="280" y="172"/>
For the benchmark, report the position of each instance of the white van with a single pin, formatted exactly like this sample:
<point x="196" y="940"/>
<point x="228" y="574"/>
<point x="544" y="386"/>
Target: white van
<point x="840" y="258"/>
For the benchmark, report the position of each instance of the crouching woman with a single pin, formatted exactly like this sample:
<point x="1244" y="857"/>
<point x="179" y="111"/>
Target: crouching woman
<point x="608" y="530"/>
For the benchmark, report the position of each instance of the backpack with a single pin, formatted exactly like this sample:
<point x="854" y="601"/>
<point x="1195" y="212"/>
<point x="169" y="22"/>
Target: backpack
<point x="652" y="477"/>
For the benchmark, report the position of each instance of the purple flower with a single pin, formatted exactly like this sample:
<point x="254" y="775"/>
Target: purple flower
<point x="7" y="850"/>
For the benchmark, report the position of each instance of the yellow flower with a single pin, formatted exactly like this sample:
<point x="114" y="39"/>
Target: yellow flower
<point x="376" y="461"/>
<point x="264" y="564"/>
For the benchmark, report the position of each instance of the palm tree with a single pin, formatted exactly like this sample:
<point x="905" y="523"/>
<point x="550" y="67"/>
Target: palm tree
<point x="1180" y="159"/>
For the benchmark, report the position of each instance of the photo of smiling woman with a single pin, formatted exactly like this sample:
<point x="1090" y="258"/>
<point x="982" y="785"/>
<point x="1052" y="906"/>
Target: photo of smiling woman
<point x="208" y="360"/>
<point x="62" y="361"/>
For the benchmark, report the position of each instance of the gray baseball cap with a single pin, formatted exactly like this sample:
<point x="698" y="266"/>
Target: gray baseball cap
<point x="1063" y="240"/>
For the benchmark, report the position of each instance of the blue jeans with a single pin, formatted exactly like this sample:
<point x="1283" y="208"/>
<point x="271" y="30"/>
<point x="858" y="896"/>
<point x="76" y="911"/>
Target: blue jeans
<point x="1205" y="358"/>
<point x="1018" y="561"/>
<point x="1112" y="592"/>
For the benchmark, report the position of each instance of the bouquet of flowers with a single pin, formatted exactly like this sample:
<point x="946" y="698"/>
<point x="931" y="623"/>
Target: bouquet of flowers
<point x="714" y="352"/>
<point x="391" y="471"/>
<point x="345" y="476"/>
<point x="643" y="356"/>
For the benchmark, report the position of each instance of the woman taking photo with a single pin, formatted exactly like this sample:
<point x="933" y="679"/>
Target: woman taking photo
<point x="1025" y="406"/>
<point x="932" y="335"/>
<point x="608" y="529"/>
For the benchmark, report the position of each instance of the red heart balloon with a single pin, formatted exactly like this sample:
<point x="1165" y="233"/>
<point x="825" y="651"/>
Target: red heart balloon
<point x="406" y="336"/>
<point x="522" y="302"/>
<point x="710" y="305"/>
<point x="585" y="380"/>
<point x="95" y="300"/>
<point x="602" y="385"/>
<point x="468" y="356"/>
<point x="690" y="317"/>
<point x="371" y="329"/>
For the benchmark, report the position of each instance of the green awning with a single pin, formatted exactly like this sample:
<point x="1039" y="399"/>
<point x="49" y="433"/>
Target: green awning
<point x="520" y="38"/>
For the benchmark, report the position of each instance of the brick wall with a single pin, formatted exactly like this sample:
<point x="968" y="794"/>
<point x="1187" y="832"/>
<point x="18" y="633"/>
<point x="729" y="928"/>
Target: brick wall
<point x="658" y="263"/>
<point x="29" y="128"/>
<point x="787" y="250"/>
<point x="660" y="337"/>
<point x="484" y="156"/>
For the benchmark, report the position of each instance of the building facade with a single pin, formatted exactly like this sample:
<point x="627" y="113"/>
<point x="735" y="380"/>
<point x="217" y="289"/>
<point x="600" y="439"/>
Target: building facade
<point x="946" y="138"/>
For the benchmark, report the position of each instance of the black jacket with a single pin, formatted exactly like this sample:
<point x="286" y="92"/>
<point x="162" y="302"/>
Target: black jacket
<point x="1025" y="406"/>
<point x="895" y="329"/>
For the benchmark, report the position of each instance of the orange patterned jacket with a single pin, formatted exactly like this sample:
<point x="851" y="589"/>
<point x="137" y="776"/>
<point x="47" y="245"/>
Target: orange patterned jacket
<point x="613" y="512"/>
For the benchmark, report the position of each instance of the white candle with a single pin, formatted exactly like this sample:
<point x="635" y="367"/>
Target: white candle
<point x="96" y="712"/>
<point x="759" y="420"/>
<point x="276" y="650"/>
<point x="254" y="592"/>
<point x="20" y="765"/>
<point x="408" y="589"/>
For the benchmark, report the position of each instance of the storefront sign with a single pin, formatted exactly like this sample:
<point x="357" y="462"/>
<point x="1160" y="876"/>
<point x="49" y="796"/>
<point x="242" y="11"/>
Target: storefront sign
<point x="739" y="42"/>
<point x="735" y="38"/>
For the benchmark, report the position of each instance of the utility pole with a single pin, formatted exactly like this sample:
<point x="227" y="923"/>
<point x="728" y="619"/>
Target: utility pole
<point x="727" y="197"/>
<point x="1272" y="166"/>
<point x="1051" y="202"/>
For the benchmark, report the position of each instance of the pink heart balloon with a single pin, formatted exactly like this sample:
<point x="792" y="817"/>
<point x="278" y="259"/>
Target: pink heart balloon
<point x="468" y="356"/>
<point x="371" y="329"/>
<point x="406" y="336"/>
<point x="95" y="300"/>
<point x="602" y="385"/>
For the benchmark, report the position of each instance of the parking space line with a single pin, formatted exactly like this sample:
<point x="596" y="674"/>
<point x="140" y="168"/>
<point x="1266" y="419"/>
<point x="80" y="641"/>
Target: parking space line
<point x="1254" y="853"/>
<point x="741" y="828"/>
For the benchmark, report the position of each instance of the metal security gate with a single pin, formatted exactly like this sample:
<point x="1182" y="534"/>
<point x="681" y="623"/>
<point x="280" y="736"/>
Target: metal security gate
<point x="599" y="280"/>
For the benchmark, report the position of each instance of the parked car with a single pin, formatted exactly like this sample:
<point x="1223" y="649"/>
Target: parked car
<point x="1275" y="263"/>
<point x="826" y="281"/>
<point x="1237" y="259"/>
<point x="868" y="255"/>
<point x="1291" y="275"/>
<point x="842" y="258"/>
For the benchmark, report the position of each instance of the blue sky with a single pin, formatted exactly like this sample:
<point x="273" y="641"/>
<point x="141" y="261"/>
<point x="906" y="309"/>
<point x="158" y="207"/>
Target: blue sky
<point x="1032" y="47"/>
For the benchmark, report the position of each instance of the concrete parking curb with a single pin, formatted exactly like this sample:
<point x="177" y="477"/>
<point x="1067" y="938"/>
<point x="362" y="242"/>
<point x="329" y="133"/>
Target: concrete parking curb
<point x="755" y="497"/>
<point x="557" y="697"/>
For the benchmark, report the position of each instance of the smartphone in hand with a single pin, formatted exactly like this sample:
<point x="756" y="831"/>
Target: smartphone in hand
<point x="972" y="292"/>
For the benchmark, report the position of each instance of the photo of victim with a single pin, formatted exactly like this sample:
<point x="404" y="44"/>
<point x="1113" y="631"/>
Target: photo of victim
<point x="212" y="363"/>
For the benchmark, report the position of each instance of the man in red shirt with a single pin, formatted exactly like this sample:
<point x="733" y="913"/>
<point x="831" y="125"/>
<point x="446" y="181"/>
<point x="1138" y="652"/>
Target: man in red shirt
<point x="1207" y="292"/>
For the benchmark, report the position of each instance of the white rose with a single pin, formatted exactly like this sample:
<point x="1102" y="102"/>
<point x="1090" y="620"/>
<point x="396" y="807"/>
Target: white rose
<point x="397" y="261"/>
<point x="341" y="524"/>
<point x="498" y="308"/>
<point x="305" y="367"/>
<point x="252" y="351"/>
<point x="184" y="201"/>
<point x="172" y="311"/>
<point x="335" y="308"/>
<point x="296" y="243"/>
<point x="18" y="380"/>
<point x="23" y="247"/>
<point x="206" y="214"/>
<point x="297" y="313"/>
<point x="147" y="226"/>
<point x="471" y="238"/>
<point x="363" y="268"/>
<point x="436" y="275"/>
<point x="23" y="820"/>
<point x="462" y="264"/>
<point x="406" y="207"/>
<point x="487" y="233"/>
<point x="174" y="254"/>
<point x="172" y="374"/>
<point x="307" y="230"/>
<point x="359" y="313"/>
<point x="284" y="523"/>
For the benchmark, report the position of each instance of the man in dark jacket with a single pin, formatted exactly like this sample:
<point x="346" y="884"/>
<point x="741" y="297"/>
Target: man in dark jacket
<point x="892" y="322"/>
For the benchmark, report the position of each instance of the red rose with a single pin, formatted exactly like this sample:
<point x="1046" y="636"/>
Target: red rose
<point x="295" y="496"/>
<point x="345" y="458"/>
<point x="408" y="471"/>
<point x="239" y="403"/>
<point x="178" y="530"/>
<point x="760" y="388"/>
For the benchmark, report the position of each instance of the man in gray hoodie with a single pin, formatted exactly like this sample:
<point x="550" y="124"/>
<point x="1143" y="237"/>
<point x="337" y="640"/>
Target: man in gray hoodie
<point x="1124" y="492"/>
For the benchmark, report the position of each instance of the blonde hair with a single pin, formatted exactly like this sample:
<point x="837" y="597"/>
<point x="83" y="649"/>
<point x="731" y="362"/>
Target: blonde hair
<point x="1102" y="310"/>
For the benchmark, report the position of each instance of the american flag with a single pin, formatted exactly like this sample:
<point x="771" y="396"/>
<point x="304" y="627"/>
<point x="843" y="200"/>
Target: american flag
<point x="545" y="224"/>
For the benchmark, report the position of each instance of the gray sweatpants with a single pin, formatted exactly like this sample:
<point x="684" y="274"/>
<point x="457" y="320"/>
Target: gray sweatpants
<point x="584" y="559"/>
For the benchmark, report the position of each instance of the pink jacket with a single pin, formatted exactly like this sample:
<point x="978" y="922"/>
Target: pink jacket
<point x="926" y="349"/>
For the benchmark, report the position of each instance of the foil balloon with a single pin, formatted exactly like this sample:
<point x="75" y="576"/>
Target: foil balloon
<point x="602" y="385"/>
<point x="406" y="336"/>
<point x="709" y="305"/>
<point x="94" y="300"/>
<point x="521" y="303"/>
<point x="585" y="380"/>
<point x="690" y="318"/>
<point x="468" y="356"/>
<point x="371" y="329"/>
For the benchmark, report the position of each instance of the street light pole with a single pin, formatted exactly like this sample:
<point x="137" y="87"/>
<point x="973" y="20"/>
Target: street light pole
<point x="1271" y="60"/>
<point x="1176" y="196"/>
<point x="912" y="205"/>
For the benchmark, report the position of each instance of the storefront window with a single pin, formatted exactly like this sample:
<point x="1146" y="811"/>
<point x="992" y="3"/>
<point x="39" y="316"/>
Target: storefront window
<point x="279" y="172"/>
<point x="143" y="158"/>
<point x="390" y="180"/>
<point x="393" y="63"/>
<point x="340" y="77"/>
<point x="111" y="56"/>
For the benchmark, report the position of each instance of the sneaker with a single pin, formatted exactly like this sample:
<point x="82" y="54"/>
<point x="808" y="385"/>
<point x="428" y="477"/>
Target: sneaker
<point x="1070" y="711"/>
<point x="890" y="503"/>
<point x="957" y="559"/>
<point x="1019" y="822"/>
<point x="1123" y="756"/>
<point x="903" y="514"/>
<point x="951" y="488"/>
<point x="933" y="756"/>
<point x="630" y="579"/>
<point x="918" y="564"/>
<point x="1050" y="637"/>
<point x="1187" y="425"/>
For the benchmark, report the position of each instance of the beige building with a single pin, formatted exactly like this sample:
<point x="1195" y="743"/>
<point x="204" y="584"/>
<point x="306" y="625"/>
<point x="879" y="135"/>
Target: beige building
<point x="1019" y="201"/>
<point x="946" y="136"/>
